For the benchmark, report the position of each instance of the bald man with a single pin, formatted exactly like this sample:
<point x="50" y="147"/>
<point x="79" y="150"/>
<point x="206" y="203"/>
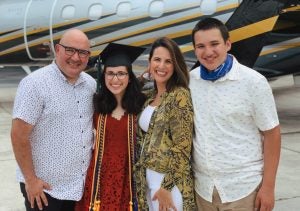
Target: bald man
<point x="52" y="127"/>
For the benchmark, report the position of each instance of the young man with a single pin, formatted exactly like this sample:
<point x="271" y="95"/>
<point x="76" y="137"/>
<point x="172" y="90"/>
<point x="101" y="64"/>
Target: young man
<point x="237" y="135"/>
<point x="52" y="131"/>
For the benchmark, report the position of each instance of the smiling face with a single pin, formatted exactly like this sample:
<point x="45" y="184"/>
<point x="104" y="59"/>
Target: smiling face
<point x="116" y="80"/>
<point x="161" y="66"/>
<point x="72" y="66"/>
<point x="210" y="48"/>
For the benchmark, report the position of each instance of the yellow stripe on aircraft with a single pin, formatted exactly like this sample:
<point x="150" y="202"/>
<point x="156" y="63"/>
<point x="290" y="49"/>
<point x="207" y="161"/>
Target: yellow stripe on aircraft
<point x="35" y="31"/>
<point x="125" y="35"/>
<point x="144" y="30"/>
<point x="220" y="9"/>
<point x="18" y="48"/>
<point x="182" y="33"/>
<point x="280" y="48"/>
<point x="227" y="7"/>
<point x="172" y="36"/>
<point x="11" y="37"/>
<point x="186" y="48"/>
<point x="252" y="30"/>
<point x="177" y="34"/>
<point x="291" y="9"/>
<point x="187" y="32"/>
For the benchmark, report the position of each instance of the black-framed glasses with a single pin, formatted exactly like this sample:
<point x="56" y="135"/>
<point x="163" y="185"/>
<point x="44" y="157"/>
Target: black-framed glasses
<point x="70" y="51"/>
<point x="120" y="75"/>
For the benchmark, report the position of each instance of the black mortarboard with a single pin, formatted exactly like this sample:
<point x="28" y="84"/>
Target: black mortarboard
<point x="115" y="55"/>
<point x="120" y="55"/>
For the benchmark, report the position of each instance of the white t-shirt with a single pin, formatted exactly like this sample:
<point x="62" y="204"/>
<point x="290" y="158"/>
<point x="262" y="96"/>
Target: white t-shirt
<point x="145" y="117"/>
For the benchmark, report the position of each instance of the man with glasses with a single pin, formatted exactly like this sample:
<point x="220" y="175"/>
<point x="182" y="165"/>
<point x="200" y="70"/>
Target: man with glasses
<point x="52" y="131"/>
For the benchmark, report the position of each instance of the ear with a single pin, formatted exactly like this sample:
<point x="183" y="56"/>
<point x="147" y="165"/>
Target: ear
<point x="228" y="44"/>
<point x="56" y="48"/>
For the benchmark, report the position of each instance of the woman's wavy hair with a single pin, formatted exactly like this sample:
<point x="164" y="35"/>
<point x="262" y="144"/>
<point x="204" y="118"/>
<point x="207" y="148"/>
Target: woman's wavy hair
<point x="132" y="101"/>
<point x="180" y="77"/>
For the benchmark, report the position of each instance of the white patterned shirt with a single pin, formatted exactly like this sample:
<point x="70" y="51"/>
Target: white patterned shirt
<point x="62" y="136"/>
<point x="229" y="115"/>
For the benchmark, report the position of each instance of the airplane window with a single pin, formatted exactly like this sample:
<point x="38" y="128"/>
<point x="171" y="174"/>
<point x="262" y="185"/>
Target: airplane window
<point x="123" y="9"/>
<point x="68" y="12"/>
<point x="208" y="7"/>
<point x="156" y="9"/>
<point x="95" y="11"/>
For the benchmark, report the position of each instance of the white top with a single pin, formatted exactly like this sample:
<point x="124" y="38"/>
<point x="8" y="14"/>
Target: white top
<point x="145" y="117"/>
<point x="62" y="137"/>
<point x="229" y="113"/>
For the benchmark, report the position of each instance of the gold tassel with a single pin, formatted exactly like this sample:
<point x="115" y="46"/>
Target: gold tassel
<point x="130" y="206"/>
<point x="96" y="206"/>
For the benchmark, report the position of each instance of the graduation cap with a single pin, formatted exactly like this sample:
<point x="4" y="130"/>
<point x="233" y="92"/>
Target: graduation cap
<point x="115" y="55"/>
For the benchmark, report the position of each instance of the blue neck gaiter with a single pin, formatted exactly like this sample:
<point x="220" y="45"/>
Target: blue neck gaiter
<point x="222" y="70"/>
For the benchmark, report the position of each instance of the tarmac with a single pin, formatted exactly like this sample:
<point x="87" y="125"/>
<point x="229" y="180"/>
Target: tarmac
<point x="287" y="97"/>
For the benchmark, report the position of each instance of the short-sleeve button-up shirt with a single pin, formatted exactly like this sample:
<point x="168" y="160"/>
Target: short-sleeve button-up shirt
<point x="229" y="115"/>
<point x="62" y="136"/>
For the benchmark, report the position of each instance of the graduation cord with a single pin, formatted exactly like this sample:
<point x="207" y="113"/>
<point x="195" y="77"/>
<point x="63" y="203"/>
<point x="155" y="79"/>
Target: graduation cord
<point x="131" y="123"/>
<point x="99" y="150"/>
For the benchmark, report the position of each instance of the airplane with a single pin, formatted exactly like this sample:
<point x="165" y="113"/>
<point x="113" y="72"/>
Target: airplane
<point x="265" y="33"/>
<point x="276" y="51"/>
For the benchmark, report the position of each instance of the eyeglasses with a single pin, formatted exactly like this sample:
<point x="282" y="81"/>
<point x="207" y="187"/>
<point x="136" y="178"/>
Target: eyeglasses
<point x="119" y="75"/>
<point x="71" y="51"/>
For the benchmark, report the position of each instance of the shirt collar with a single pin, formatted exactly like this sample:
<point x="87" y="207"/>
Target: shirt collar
<point x="233" y="74"/>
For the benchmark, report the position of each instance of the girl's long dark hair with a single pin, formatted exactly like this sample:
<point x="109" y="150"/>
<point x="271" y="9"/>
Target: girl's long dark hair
<point x="132" y="101"/>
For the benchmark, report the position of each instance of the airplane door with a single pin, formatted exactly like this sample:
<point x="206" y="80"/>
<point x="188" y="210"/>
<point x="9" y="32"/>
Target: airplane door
<point x="37" y="31"/>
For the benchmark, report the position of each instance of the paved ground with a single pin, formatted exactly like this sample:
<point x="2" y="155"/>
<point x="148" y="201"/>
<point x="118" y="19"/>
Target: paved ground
<point x="287" y="97"/>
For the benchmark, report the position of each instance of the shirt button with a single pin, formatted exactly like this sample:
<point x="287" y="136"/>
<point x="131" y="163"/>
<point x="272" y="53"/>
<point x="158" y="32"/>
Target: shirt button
<point x="82" y="131"/>
<point x="77" y="101"/>
<point x="83" y="147"/>
<point x="80" y="116"/>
